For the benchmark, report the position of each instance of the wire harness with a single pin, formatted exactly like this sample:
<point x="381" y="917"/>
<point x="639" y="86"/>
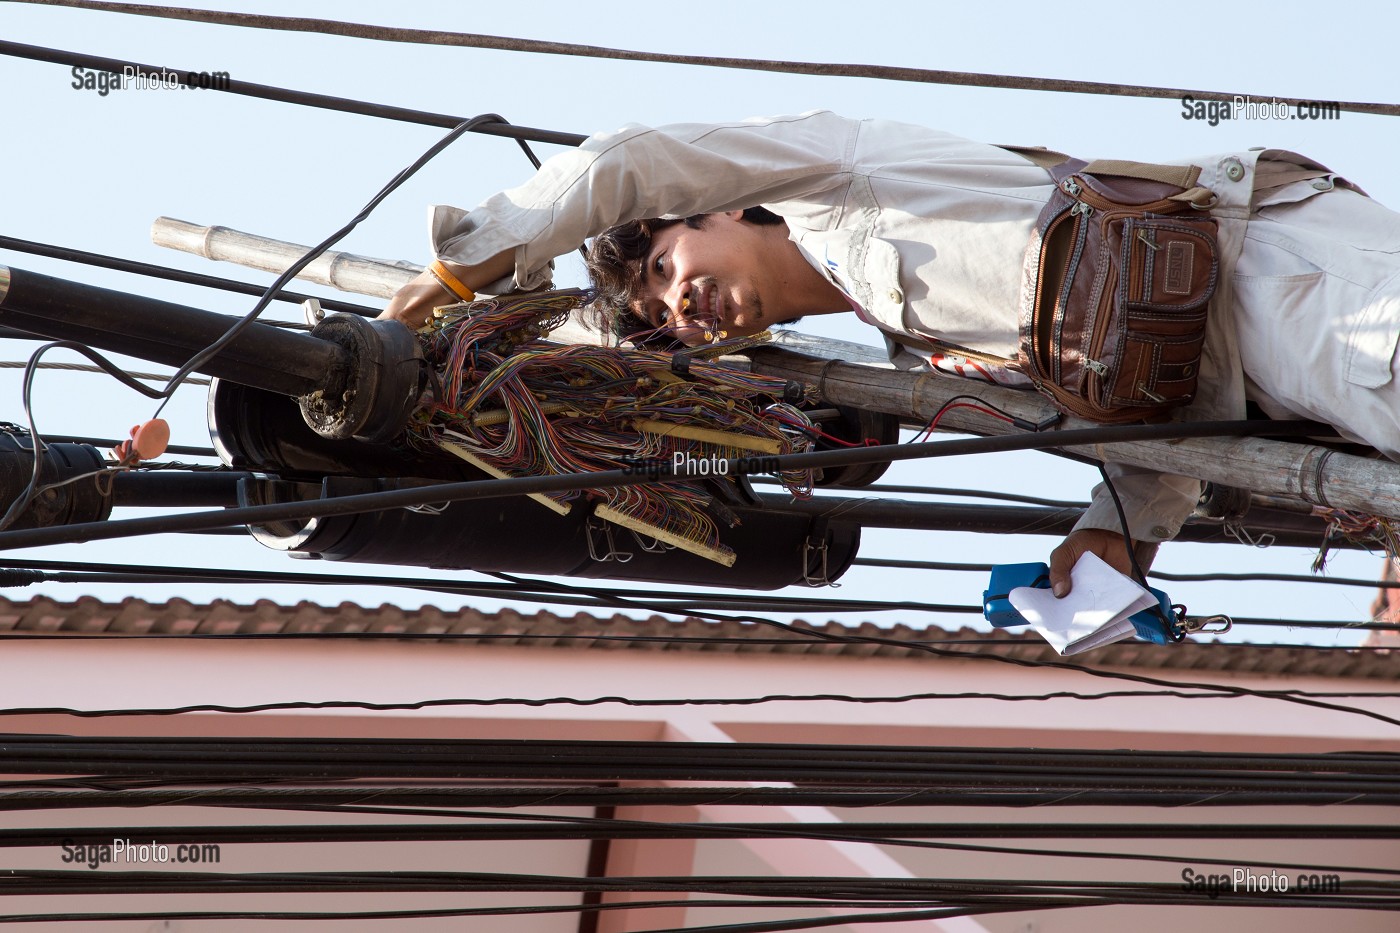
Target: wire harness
<point x="515" y="404"/>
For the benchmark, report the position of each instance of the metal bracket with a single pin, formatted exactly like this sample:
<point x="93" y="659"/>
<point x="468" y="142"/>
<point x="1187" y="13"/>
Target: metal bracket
<point x="1242" y="535"/>
<point x="595" y="524"/>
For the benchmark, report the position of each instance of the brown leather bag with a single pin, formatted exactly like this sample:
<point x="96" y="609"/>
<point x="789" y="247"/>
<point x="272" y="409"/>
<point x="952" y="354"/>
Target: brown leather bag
<point x="1118" y="279"/>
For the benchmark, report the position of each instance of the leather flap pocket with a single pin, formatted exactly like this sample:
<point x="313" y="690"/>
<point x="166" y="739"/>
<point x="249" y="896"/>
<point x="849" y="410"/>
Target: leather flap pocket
<point x="1169" y="265"/>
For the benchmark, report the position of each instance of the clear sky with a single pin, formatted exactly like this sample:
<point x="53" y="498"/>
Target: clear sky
<point x="92" y="172"/>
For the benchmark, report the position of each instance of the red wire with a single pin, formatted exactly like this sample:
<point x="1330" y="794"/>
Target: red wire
<point x="933" y="424"/>
<point x="813" y="429"/>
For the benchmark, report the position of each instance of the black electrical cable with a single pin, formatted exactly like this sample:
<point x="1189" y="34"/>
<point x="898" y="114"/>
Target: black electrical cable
<point x="73" y="572"/>
<point x="68" y="254"/>
<point x="678" y="601"/>
<point x="88" y="713"/>
<point x="980" y="829"/>
<point x="177" y="760"/>
<point x="310" y="256"/>
<point x="17" y="635"/>
<point x="967" y="892"/>
<point x="956" y="493"/>
<point x="899" y="564"/>
<point x="583" y="909"/>
<point x="613" y="478"/>
<point x="1021" y="662"/>
<point x="566" y="828"/>
<point x="608" y="479"/>
<point x="303" y="98"/>
<point x="112" y="442"/>
<point x="21" y="503"/>
<point x="1128" y="541"/>
<point x="62" y="571"/>
<point x="476" y="40"/>
<point x="427" y="913"/>
<point x="669" y="601"/>
<point x="23" y="795"/>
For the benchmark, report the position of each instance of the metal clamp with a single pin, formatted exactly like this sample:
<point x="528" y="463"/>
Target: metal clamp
<point x="312" y="312"/>
<point x="595" y="524"/>
<point x="1217" y="624"/>
<point x="825" y="578"/>
<point x="650" y="545"/>
<point x="1242" y="535"/>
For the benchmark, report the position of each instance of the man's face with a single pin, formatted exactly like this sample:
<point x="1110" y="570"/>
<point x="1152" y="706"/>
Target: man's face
<point x="708" y="284"/>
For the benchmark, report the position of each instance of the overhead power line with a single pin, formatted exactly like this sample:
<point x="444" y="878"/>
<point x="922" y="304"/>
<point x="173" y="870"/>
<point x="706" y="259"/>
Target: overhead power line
<point x="900" y="564"/>
<point x="610" y="479"/>
<point x="498" y="127"/>
<point x="68" y="254"/>
<point x="85" y="368"/>
<point x="536" y="46"/>
<point x="344" y="798"/>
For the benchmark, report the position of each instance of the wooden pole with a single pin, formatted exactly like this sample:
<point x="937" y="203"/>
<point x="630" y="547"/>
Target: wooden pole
<point x="858" y="376"/>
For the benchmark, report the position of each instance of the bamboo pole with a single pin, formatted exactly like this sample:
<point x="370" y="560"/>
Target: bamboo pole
<point x="378" y="278"/>
<point x="361" y="275"/>
<point x="857" y="375"/>
<point x="1295" y="471"/>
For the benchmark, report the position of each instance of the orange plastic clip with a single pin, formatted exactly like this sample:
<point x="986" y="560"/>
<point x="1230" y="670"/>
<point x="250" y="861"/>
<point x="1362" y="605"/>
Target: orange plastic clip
<point x="147" y="442"/>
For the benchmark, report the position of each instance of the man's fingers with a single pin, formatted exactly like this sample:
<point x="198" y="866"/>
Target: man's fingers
<point x="1062" y="560"/>
<point x="413" y="304"/>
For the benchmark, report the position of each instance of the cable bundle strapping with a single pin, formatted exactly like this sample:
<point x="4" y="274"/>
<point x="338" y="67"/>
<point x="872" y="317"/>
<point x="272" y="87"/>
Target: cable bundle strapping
<point x="516" y="404"/>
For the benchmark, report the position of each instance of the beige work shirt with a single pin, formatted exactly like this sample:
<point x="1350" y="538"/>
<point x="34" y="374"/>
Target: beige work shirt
<point x="924" y="229"/>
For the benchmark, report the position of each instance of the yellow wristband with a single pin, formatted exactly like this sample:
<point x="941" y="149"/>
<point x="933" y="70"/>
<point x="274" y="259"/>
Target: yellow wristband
<point x="450" y="281"/>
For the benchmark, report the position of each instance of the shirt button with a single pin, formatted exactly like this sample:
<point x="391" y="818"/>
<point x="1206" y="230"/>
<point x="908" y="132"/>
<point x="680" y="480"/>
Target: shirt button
<point x="896" y="296"/>
<point x="1233" y="169"/>
<point x="1161" y="532"/>
<point x="1322" y="184"/>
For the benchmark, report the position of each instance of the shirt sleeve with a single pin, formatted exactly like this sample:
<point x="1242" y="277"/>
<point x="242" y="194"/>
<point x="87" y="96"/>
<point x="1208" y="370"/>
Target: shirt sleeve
<point x="639" y="172"/>
<point x="1156" y="504"/>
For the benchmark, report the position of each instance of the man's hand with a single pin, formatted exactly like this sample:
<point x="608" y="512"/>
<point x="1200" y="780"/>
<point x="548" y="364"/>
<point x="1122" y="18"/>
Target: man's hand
<point x="1109" y="545"/>
<point x="413" y="304"/>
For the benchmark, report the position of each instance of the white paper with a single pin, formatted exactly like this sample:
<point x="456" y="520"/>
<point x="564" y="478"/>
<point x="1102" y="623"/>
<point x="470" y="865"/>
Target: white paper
<point x="1095" y="612"/>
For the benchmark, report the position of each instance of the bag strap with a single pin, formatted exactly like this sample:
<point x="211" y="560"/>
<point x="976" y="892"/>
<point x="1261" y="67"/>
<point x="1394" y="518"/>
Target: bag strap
<point x="1178" y="176"/>
<point x="1061" y="166"/>
<point x="1182" y="176"/>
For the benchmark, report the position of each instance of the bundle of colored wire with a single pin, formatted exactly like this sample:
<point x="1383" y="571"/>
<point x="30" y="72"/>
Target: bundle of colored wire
<point x="516" y="404"/>
<point x="1368" y="531"/>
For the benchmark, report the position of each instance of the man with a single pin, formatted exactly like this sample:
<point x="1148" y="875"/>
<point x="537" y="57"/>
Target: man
<point x="921" y="234"/>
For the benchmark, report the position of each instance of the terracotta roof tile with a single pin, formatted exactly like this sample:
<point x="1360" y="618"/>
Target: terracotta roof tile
<point x="135" y="617"/>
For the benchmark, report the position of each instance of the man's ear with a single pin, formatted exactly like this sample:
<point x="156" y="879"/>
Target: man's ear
<point x="734" y="215"/>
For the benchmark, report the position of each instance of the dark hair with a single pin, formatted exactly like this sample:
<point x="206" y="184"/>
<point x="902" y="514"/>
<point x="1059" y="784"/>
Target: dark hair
<point x="615" y="266"/>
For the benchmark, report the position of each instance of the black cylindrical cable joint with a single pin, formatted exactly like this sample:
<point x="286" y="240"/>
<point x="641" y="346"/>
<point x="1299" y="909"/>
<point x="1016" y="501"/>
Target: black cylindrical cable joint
<point x="163" y="332"/>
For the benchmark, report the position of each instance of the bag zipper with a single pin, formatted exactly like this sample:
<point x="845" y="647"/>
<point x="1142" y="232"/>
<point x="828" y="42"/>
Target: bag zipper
<point x="1097" y="201"/>
<point x="1057" y="320"/>
<point x="1092" y="363"/>
<point x="1081" y="213"/>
